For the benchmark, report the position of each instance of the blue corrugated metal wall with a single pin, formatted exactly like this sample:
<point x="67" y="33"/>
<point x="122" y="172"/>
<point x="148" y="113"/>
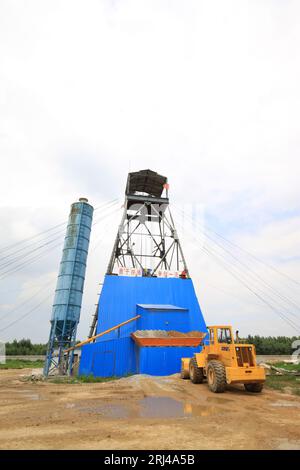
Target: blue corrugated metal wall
<point x="163" y="318"/>
<point x="163" y="360"/>
<point x="116" y="354"/>
<point x="109" y="358"/>
<point x="120" y="296"/>
<point x="122" y="357"/>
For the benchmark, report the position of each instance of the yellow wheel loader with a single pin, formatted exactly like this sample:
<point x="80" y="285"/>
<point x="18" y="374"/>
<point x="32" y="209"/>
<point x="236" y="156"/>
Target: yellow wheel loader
<point x="223" y="361"/>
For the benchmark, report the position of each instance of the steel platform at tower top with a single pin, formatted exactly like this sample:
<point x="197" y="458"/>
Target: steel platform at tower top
<point x="145" y="181"/>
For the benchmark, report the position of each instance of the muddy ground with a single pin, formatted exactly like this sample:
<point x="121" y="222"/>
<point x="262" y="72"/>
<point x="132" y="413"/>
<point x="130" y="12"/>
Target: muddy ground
<point x="142" y="412"/>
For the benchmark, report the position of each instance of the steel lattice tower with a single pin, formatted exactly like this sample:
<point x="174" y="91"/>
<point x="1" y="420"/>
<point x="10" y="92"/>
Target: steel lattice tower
<point x="147" y="238"/>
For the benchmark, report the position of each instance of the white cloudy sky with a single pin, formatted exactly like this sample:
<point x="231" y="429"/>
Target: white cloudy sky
<point x="205" y="92"/>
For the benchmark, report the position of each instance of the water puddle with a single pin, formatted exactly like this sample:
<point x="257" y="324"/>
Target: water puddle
<point x="199" y="410"/>
<point x="166" y="407"/>
<point x="218" y="400"/>
<point x="160" y="407"/>
<point x="151" y="407"/>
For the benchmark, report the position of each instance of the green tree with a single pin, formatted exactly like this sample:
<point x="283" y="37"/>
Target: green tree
<point x="268" y="345"/>
<point x="24" y="347"/>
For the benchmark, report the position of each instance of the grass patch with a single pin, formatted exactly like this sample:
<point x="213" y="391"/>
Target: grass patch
<point x="284" y="383"/>
<point x="22" y="364"/>
<point x="276" y="383"/>
<point x="92" y="379"/>
<point x="286" y="366"/>
<point x="80" y="379"/>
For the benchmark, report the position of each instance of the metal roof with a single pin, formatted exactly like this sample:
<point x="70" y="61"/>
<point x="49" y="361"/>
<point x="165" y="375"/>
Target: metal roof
<point x="146" y="181"/>
<point x="160" y="307"/>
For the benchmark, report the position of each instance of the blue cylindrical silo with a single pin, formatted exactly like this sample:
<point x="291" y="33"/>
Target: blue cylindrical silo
<point x="70" y="282"/>
<point x="69" y="288"/>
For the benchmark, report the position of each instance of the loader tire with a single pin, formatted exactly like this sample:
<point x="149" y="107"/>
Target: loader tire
<point x="216" y="376"/>
<point x="196" y="373"/>
<point x="184" y="374"/>
<point x="254" y="388"/>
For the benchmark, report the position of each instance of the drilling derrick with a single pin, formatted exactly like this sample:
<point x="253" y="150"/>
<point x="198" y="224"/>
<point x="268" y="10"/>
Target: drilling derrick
<point x="147" y="240"/>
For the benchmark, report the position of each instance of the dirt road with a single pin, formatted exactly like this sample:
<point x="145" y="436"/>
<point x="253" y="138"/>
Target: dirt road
<point x="142" y="412"/>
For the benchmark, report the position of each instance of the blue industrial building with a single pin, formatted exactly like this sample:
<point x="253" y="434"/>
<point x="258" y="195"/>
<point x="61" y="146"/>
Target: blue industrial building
<point x="151" y="283"/>
<point x="163" y="304"/>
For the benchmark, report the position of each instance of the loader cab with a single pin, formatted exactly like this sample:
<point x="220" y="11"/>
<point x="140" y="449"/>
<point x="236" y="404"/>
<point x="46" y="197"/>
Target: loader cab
<point x="220" y="335"/>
